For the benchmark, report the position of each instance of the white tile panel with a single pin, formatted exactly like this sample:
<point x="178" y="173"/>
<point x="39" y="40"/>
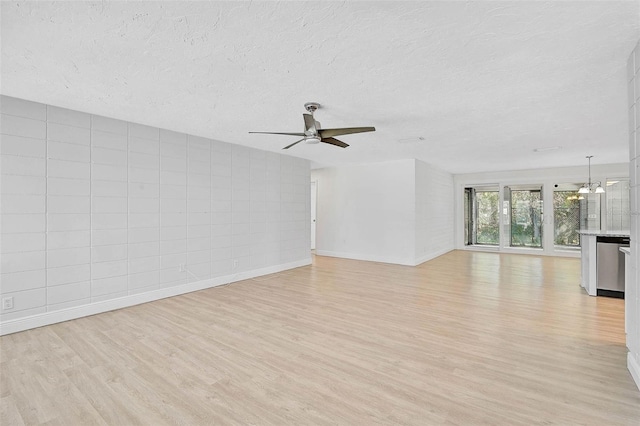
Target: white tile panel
<point x="144" y="205"/>
<point x="109" y="172"/>
<point x="20" y="126"/>
<point x="68" y="134"/>
<point x="105" y="188"/>
<point x="144" y="264"/>
<point x="14" y="243"/>
<point x="68" y="239"/>
<point x="68" y="204"/>
<point x="68" y="222"/>
<point x="108" y="156"/>
<point x="68" y="257"/>
<point x="68" y="169"/>
<point x="108" y="236"/>
<point x="22" y="147"/>
<point x="108" y="221"/>
<point x="14" y="184"/>
<point x="68" y="151"/>
<point x="110" y="125"/>
<point x="144" y="146"/>
<point x="144" y="161"/>
<point x="143" y="235"/>
<point x="20" y="223"/>
<point x="138" y="250"/>
<point x="108" y="140"/>
<point x="172" y="137"/>
<point x="14" y="203"/>
<point x="25" y="261"/>
<point x="108" y="269"/>
<point x="110" y="285"/>
<point x="25" y="280"/>
<point x="68" y="274"/>
<point x="23" y="166"/>
<point x="67" y="186"/>
<point x="23" y="108"/>
<point x="109" y="204"/>
<point x="144" y="190"/>
<point x="68" y="117"/>
<point x="142" y="131"/>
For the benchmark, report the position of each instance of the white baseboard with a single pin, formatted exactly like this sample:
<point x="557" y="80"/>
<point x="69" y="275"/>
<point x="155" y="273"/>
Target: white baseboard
<point x="48" y="318"/>
<point x="384" y="259"/>
<point x="432" y="255"/>
<point x="367" y="257"/>
<point x="634" y="368"/>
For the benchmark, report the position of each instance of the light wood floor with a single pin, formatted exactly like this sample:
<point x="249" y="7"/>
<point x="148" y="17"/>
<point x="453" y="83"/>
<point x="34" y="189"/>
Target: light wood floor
<point x="466" y="339"/>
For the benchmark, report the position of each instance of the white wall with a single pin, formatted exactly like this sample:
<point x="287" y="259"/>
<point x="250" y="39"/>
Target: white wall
<point x="547" y="178"/>
<point x="632" y="300"/>
<point x="367" y="212"/>
<point x="434" y="212"/>
<point x="98" y="214"/>
<point x="395" y="212"/>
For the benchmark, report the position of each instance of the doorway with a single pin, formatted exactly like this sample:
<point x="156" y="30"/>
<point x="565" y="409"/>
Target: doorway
<point x="313" y="194"/>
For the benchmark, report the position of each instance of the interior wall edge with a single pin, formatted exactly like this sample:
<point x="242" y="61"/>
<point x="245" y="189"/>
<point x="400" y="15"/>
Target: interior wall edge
<point x="432" y="255"/>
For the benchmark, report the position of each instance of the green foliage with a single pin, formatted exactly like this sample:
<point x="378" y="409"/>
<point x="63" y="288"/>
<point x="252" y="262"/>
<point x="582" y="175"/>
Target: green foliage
<point x="566" y="219"/>
<point x="488" y="221"/>
<point x="526" y="218"/>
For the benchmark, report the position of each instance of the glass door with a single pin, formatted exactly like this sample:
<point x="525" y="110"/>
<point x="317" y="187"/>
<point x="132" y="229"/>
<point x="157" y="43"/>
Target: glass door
<point x="566" y="216"/>
<point x="525" y="216"/>
<point x="481" y="216"/>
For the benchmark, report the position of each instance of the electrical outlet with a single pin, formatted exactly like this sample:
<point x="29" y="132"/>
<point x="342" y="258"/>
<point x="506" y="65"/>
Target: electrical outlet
<point x="7" y="303"/>
<point x="181" y="268"/>
<point x="235" y="263"/>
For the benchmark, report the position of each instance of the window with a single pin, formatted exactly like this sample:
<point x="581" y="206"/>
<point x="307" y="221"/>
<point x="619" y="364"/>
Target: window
<point x="525" y="216"/>
<point x="482" y="220"/>
<point x="566" y="217"/>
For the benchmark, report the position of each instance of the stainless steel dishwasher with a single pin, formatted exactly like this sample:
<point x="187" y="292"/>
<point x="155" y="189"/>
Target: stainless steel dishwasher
<point x="610" y="266"/>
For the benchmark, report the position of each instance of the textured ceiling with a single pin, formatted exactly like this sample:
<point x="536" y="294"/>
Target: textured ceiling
<point x="484" y="83"/>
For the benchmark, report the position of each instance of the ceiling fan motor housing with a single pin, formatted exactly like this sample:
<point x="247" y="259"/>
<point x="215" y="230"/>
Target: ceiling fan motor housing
<point x="311" y="106"/>
<point x="312" y="139"/>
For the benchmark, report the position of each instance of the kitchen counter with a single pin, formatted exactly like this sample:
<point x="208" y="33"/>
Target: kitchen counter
<point x="599" y="233"/>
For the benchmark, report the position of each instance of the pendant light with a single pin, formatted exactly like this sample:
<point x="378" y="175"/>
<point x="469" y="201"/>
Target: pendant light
<point x="586" y="188"/>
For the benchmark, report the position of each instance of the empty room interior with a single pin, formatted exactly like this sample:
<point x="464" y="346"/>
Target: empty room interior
<point x="320" y="213"/>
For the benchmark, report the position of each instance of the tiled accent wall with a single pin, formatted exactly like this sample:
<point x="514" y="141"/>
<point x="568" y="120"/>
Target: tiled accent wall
<point x="94" y="209"/>
<point x="632" y="296"/>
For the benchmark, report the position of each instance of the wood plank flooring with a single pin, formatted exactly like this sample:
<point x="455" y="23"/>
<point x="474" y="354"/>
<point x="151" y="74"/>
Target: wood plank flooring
<point x="466" y="339"/>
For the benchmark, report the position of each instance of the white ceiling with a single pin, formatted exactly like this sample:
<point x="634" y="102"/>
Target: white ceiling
<point x="484" y="83"/>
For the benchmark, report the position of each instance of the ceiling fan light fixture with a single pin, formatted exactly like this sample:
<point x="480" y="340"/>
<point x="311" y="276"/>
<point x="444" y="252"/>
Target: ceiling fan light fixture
<point x="312" y="139"/>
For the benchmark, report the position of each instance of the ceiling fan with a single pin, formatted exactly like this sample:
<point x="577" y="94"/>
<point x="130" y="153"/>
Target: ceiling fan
<point x="314" y="134"/>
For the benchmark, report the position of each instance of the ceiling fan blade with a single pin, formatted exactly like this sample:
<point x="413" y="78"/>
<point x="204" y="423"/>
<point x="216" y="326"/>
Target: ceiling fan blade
<point x="334" y="141"/>
<point x="280" y="133"/>
<point x="309" y="123"/>
<point x="289" y="146"/>
<point x="325" y="133"/>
